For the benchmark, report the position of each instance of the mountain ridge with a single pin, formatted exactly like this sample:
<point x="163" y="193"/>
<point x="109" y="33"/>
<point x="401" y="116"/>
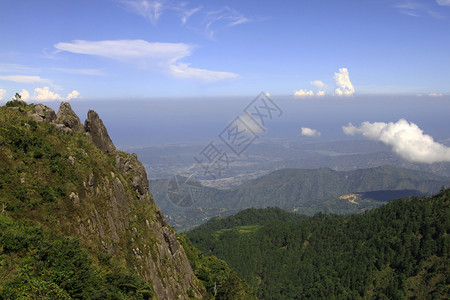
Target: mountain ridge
<point x="301" y="190"/>
<point x="70" y="178"/>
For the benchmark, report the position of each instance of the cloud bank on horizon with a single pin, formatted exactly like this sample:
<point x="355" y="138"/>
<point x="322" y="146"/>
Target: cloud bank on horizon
<point x="344" y="86"/>
<point x="406" y="139"/>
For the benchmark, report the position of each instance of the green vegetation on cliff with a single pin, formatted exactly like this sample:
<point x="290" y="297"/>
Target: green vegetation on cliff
<point x="34" y="264"/>
<point x="400" y="250"/>
<point x="77" y="220"/>
<point x="77" y="217"/>
<point x="220" y="281"/>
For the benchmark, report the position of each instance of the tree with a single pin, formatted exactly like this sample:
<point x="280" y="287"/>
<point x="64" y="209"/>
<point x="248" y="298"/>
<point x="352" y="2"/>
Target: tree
<point x="17" y="97"/>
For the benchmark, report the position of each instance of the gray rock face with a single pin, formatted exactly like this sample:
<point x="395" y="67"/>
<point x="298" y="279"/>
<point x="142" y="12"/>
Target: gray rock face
<point x="97" y="133"/>
<point x="67" y="117"/>
<point x="121" y="224"/>
<point x="114" y="211"/>
<point x="43" y="113"/>
<point x="139" y="181"/>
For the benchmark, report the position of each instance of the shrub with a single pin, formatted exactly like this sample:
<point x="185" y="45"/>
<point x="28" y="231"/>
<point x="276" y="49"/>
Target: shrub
<point x="48" y="194"/>
<point x="21" y="193"/>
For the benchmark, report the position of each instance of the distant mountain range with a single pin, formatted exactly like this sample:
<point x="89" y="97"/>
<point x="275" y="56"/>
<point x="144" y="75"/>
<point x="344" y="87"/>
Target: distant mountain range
<point x="305" y="191"/>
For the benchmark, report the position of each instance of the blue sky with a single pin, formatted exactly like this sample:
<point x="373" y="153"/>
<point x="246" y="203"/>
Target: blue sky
<point x="96" y="49"/>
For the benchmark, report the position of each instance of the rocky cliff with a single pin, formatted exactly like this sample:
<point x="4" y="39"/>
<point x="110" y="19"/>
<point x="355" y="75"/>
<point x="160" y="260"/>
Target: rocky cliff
<point x="101" y="197"/>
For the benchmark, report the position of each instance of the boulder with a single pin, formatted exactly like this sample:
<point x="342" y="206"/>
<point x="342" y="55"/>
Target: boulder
<point x="42" y="113"/>
<point x="67" y="117"/>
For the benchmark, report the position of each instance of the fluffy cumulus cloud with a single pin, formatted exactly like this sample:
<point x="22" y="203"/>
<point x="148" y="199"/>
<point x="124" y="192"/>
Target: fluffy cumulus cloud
<point x="318" y="84"/>
<point x="343" y="83"/>
<point x="303" y="93"/>
<point x="344" y="86"/>
<point x="163" y="57"/>
<point x="406" y="139"/>
<point x="310" y="132"/>
<point x="2" y="93"/>
<point x="46" y="95"/>
<point x="25" y="95"/>
<point x="320" y="93"/>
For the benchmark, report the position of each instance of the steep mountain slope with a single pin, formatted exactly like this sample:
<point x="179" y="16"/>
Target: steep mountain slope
<point x="68" y="179"/>
<point x="304" y="191"/>
<point x="397" y="251"/>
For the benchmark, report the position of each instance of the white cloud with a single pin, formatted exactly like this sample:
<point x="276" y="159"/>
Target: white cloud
<point x="224" y="17"/>
<point x="318" y="84"/>
<point x="151" y="10"/>
<point x="414" y="8"/>
<point x="443" y="2"/>
<point x="2" y="93"/>
<point x="310" y="132"/>
<point x="303" y="93"/>
<point x="188" y="13"/>
<point x="205" y="21"/>
<point x="132" y="51"/>
<point x="308" y="93"/>
<point x="344" y="86"/>
<point x="184" y="71"/>
<point x="406" y="139"/>
<point x="25" y="95"/>
<point x="46" y="95"/>
<point x="72" y="95"/>
<point x="435" y="94"/>
<point x="26" y="79"/>
<point x="164" y="57"/>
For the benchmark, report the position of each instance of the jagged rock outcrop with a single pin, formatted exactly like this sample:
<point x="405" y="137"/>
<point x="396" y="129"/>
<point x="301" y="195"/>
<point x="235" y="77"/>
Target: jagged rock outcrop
<point x="116" y="213"/>
<point x="130" y="222"/>
<point x="105" y="202"/>
<point x="97" y="133"/>
<point x="42" y="113"/>
<point x="132" y="166"/>
<point x="67" y="117"/>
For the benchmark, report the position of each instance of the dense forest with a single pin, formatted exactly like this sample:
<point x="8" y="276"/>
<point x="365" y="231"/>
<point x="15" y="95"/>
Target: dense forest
<point x="396" y="251"/>
<point x="220" y="281"/>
